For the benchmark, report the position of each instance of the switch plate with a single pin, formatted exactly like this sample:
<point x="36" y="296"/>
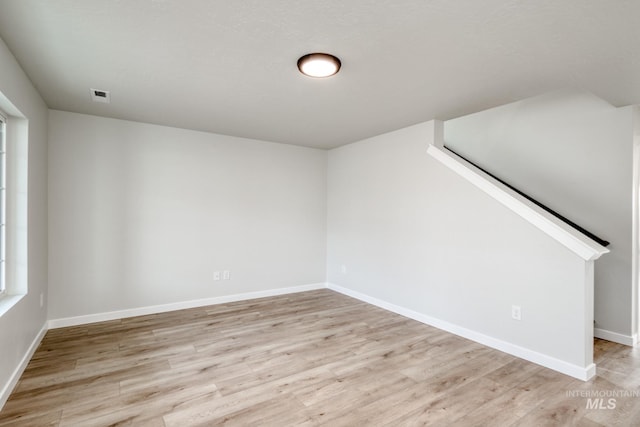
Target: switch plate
<point x="226" y="275"/>
<point x="216" y="275"/>
<point x="516" y="312"/>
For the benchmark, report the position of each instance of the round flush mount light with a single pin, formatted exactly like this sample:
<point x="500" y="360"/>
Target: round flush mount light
<point x="319" y="65"/>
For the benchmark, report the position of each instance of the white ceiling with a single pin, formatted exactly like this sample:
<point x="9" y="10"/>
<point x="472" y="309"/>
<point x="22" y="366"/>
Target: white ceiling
<point x="230" y="66"/>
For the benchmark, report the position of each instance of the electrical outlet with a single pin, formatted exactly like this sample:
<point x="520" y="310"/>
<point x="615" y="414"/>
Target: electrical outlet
<point x="226" y="275"/>
<point x="516" y="312"/>
<point x="216" y="275"/>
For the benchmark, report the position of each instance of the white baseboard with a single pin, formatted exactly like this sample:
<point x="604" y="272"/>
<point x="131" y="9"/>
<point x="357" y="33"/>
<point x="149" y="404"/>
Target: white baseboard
<point x="141" y="311"/>
<point x="10" y="385"/>
<point x="576" y="371"/>
<point x="630" y="340"/>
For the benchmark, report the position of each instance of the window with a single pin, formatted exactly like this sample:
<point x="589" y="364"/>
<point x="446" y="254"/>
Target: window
<point x="14" y="152"/>
<point x="3" y="200"/>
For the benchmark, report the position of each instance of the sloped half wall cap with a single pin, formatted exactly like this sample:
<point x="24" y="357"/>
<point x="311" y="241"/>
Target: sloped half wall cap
<point x="575" y="241"/>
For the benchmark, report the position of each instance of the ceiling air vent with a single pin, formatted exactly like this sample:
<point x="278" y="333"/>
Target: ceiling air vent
<point x="98" y="95"/>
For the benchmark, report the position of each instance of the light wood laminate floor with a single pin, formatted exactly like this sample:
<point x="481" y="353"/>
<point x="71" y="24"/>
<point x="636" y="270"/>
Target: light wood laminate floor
<point x="307" y="359"/>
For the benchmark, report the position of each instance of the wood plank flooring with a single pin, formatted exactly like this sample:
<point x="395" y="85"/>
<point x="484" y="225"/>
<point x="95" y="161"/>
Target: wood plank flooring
<point x="308" y="359"/>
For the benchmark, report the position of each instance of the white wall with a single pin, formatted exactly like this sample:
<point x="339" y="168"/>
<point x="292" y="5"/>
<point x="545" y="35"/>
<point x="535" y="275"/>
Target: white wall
<point x="142" y="215"/>
<point x="20" y="326"/>
<point x="412" y="233"/>
<point x="573" y="152"/>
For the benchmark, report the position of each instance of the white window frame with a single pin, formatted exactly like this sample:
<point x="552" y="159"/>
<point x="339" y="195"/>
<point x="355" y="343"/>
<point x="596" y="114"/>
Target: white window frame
<point x="15" y="174"/>
<point x="3" y="204"/>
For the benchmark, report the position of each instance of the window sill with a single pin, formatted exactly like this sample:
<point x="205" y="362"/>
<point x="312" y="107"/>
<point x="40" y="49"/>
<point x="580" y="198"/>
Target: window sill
<point x="8" y="301"/>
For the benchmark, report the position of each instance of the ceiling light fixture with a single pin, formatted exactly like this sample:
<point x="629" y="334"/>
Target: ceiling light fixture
<point x="319" y="65"/>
